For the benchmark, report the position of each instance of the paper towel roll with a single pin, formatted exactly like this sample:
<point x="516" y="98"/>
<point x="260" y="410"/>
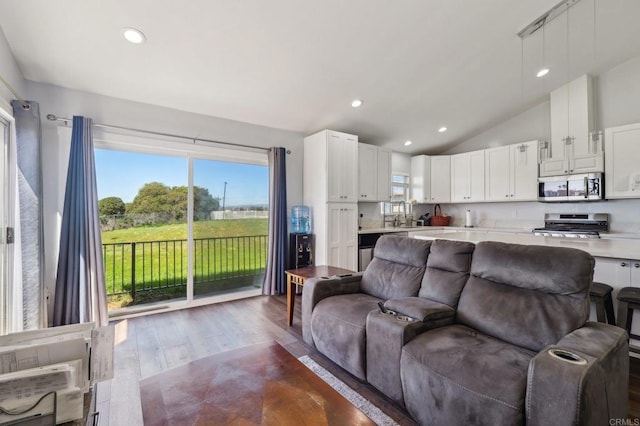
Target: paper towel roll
<point x="467" y="220"/>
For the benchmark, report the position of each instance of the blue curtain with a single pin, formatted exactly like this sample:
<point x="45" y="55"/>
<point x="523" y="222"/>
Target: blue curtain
<point x="80" y="294"/>
<point x="277" y="250"/>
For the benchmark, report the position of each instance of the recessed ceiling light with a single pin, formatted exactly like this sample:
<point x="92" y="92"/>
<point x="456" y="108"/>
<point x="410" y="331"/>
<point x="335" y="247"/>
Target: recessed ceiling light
<point x="133" y="36"/>
<point x="442" y="129"/>
<point x="543" y="72"/>
<point x="407" y="143"/>
<point x="356" y="103"/>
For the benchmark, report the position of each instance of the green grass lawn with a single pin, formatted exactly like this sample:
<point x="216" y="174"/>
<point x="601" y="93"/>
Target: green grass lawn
<point x="178" y="231"/>
<point x="224" y="250"/>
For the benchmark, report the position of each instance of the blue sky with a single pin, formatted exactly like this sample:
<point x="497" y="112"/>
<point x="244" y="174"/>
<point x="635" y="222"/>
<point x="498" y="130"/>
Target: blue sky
<point x="122" y="174"/>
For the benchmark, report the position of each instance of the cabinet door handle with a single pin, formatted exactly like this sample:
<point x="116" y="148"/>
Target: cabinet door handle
<point x="637" y="265"/>
<point x="623" y="264"/>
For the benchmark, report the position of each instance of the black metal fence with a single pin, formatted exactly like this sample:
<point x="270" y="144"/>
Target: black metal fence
<point x="147" y="266"/>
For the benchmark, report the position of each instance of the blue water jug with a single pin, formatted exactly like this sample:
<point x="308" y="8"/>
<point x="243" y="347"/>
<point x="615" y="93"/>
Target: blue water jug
<point x="300" y="220"/>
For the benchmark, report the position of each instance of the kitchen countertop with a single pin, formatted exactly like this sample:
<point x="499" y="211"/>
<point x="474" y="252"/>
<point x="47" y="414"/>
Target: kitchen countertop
<point x="626" y="248"/>
<point x="438" y="228"/>
<point x="390" y="229"/>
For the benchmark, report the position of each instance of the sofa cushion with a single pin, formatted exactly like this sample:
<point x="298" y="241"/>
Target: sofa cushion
<point x="447" y="271"/>
<point x="455" y="375"/>
<point x="397" y="267"/>
<point x="338" y="328"/>
<point x="529" y="296"/>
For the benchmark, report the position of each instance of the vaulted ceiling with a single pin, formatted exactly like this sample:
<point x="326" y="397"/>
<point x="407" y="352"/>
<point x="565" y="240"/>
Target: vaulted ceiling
<point x="297" y="64"/>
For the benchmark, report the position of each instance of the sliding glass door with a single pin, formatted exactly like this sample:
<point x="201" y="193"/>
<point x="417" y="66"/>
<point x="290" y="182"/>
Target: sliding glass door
<point x="229" y="226"/>
<point x="143" y="200"/>
<point x="179" y="227"/>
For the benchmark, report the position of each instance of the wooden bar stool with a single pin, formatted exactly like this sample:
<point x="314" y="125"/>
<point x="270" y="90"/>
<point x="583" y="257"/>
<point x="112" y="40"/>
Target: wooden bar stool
<point x="628" y="301"/>
<point x="600" y="295"/>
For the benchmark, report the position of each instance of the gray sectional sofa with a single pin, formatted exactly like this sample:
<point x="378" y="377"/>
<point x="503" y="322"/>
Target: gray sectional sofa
<point x="486" y="334"/>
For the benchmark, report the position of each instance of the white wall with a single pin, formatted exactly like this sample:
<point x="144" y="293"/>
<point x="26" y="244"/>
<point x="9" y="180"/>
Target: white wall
<point x="618" y="95"/>
<point x="530" y="125"/>
<point x="56" y="142"/>
<point x="10" y="72"/>
<point x="400" y="163"/>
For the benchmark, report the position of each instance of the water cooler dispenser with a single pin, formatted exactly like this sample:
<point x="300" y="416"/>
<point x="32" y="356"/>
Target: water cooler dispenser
<point x="301" y="250"/>
<point x="300" y="240"/>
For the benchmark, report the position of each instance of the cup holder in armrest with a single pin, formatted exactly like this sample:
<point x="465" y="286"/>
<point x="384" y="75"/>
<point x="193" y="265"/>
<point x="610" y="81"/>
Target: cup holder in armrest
<point x="567" y="356"/>
<point x="404" y="318"/>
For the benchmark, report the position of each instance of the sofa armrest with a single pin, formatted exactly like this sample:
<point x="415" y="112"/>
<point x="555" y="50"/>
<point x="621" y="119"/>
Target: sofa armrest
<point x="566" y="381"/>
<point x="387" y="334"/>
<point x="316" y="289"/>
<point x="421" y="309"/>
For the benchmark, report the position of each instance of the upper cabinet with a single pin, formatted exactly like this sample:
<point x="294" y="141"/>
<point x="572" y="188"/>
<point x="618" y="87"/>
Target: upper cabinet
<point x="467" y="177"/>
<point x="431" y="178"/>
<point x="384" y="174"/>
<point x="367" y="173"/>
<point x="511" y="172"/>
<point x="574" y="147"/>
<point x="342" y="156"/>
<point x="374" y="173"/>
<point x="622" y="162"/>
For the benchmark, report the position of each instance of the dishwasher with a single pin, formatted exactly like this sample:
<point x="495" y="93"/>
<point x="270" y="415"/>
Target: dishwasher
<point x="366" y="244"/>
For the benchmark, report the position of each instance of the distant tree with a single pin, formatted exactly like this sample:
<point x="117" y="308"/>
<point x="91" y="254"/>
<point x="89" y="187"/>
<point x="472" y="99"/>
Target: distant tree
<point x="111" y="206"/>
<point x="153" y="197"/>
<point x="204" y="203"/>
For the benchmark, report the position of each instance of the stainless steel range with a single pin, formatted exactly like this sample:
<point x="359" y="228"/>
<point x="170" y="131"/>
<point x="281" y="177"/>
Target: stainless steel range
<point x="572" y="225"/>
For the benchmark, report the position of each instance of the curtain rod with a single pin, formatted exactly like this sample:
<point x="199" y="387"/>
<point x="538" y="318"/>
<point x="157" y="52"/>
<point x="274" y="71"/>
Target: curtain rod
<point x="52" y="117"/>
<point x="25" y="104"/>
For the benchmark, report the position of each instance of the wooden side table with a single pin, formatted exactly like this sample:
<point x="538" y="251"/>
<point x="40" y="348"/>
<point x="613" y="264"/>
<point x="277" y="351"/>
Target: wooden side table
<point x="299" y="276"/>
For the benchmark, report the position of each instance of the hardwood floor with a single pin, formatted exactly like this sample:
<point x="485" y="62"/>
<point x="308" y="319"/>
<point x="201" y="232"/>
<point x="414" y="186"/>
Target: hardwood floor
<point x="151" y="344"/>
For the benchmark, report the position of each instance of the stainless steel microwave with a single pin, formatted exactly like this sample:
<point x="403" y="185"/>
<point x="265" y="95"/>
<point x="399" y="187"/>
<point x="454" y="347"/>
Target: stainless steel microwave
<point x="579" y="187"/>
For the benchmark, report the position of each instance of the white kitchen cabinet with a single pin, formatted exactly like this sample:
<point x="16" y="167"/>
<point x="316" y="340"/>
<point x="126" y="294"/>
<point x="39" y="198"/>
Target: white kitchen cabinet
<point x="497" y="174"/>
<point x="467" y="177"/>
<point x="342" y="236"/>
<point x="440" y="179"/>
<point x="431" y="178"/>
<point x="511" y="172"/>
<point x="374" y="173"/>
<point x="523" y="171"/>
<point x="384" y="174"/>
<point x="622" y="162"/>
<point x="572" y="148"/>
<point x="329" y="186"/>
<point x="420" y="184"/>
<point x="367" y="172"/>
<point x="342" y="165"/>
